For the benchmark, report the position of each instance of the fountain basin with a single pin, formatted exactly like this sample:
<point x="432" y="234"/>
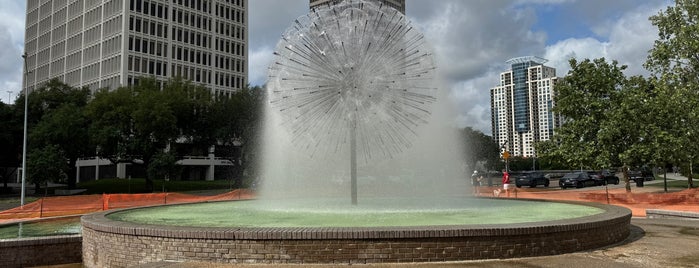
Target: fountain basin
<point x="40" y="242"/>
<point x="108" y="242"/>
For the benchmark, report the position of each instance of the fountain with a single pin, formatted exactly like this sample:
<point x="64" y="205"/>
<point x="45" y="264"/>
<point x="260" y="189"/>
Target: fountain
<point x="360" y="165"/>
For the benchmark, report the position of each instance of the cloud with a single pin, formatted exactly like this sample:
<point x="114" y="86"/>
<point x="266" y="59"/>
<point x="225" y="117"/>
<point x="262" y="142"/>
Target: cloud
<point x="268" y="20"/>
<point x="260" y="58"/>
<point x="630" y="37"/>
<point x="12" y="41"/>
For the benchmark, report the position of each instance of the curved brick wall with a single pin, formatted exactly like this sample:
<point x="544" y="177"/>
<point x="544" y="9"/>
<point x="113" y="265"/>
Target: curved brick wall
<point x="108" y="243"/>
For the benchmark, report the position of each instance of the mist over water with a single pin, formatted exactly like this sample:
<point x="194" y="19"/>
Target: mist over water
<point x="357" y="71"/>
<point x="432" y="168"/>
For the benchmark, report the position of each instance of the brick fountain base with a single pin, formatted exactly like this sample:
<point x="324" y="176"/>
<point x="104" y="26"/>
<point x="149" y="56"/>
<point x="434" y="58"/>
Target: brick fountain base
<point x="109" y="243"/>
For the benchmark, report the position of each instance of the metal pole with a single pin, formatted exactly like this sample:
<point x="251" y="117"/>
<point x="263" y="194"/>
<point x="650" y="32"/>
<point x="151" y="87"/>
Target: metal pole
<point x="24" y="144"/>
<point x="9" y="96"/>
<point x="353" y="157"/>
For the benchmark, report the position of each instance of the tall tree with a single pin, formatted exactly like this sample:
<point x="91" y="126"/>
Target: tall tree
<point x="584" y="98"/>
<point x="55" y="117"/>
<point x="46" y="164"/>
<point x="10" y="144"/>
<point x="237" y="122"/>
<point x="66" y="128"/>
<point x="674" y="60"/>
<point x="480" y="148"/>
<point x="133" y="123"/>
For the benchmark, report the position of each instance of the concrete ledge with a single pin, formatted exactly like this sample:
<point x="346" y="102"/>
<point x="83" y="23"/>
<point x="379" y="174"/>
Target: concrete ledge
<point x="120" y="244"/>
<point x="671" y="214"/>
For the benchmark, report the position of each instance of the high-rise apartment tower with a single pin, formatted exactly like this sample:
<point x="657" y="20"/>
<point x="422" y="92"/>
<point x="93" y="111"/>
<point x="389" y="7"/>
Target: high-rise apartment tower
<point x="397" y="4"/>
<point x="111" y="43"/>
<point x="521" y="106"/>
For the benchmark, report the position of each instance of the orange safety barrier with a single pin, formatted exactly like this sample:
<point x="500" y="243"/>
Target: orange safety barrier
<point x="82" y="204"/>
<point x="637" y="202"/>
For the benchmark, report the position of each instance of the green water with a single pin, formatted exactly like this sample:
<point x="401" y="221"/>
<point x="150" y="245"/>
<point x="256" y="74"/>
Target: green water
<point x="371" y="213"/>
<point x="52" y="227"/>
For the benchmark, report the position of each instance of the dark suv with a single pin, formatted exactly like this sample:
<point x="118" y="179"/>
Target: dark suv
<point x="531" y="179"/>
<point x="605" y="177"/>
<point x="645" y="175"/>
<point x="577" y="180"/>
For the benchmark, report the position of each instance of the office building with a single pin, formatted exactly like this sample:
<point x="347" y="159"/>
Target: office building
<point x="112" y="43"/>
<point x="397" y="4"/>
<point x="521" y="106"/>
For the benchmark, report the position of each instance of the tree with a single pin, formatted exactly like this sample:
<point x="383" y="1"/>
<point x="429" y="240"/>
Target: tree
<point x="10" y="144"/>
<point x="584" y="98"/>
<point x="66" y="128"/>
<point x="480" y="148"/>
<point x="549" y="158"/>
<point x="674" y="61"/>
<point x="55" y="117"/>
<point x="133" y="123"/>
<point x="46" y="164"/>
<point x="237" y="122"/>
<point x="163" y="165"/>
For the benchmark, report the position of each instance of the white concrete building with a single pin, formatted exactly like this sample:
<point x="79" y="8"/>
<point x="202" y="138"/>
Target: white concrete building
<point x="111" y="43"/>
<point x="521" y="106"/>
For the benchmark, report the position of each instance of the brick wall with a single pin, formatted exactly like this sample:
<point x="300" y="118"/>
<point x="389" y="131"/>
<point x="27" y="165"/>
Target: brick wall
<point x="40" y="251"/>
<point x="117" y="244"/>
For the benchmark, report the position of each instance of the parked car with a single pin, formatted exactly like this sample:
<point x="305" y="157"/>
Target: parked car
<point x="577" y="180"/>
<point x="645" y="175"/>
<point x="531" y="179"/>
<point x="604" y="177"/>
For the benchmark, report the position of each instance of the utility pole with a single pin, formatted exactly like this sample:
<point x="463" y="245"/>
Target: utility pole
<point x="24" y="143"/>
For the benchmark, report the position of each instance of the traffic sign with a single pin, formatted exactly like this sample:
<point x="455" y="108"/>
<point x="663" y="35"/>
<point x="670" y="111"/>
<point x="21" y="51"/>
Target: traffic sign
<point x="506" y="155"/>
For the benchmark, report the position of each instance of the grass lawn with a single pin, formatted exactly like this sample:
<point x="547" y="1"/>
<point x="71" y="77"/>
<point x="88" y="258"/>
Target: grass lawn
<point x="672" y="183"/>
<point x="111" y="186"/>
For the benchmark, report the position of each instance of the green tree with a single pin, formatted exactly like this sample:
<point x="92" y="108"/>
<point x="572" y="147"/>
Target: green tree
<point x="585" y="98"/>
<point x="55" y="117"/>
<point x="674" y="61"/>
<point x="164" y="165"/>
<point x="548" y="157"/>
<point x="133" y="123"/>
<point x="46" y="164"/>
<point x="480" y="148"/>
<point x="66" y="128"/>
<point x="237" y="126"/>
<point x="10" y="144"/>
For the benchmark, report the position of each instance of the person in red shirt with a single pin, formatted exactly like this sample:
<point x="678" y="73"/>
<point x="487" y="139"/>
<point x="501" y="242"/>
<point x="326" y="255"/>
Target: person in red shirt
<point x="506" y="182"/>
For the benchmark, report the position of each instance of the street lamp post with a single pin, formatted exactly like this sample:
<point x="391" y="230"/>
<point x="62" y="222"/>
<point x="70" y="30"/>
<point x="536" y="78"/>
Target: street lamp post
<point x="24" y="144"/>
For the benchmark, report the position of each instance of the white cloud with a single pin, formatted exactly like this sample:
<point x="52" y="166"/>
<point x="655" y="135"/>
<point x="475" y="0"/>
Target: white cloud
<point x="260" y="59"/>
<point x="12" y="41"/>
<point x="630" y="37"/>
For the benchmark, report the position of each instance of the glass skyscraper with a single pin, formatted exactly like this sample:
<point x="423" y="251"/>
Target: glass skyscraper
<point x="521" y="106"/>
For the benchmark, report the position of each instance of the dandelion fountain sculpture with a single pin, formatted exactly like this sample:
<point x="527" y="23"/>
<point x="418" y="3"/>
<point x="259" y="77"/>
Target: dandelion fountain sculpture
<point x="353" y="82"/>
<point x="355" y="75"/>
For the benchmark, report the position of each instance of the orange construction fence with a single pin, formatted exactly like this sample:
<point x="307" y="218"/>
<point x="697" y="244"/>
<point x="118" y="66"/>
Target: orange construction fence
<point x="82" y="204"/>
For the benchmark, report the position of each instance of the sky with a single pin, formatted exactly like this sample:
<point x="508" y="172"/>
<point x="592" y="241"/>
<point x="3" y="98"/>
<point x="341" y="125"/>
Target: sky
<point x="471" y="39"/>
